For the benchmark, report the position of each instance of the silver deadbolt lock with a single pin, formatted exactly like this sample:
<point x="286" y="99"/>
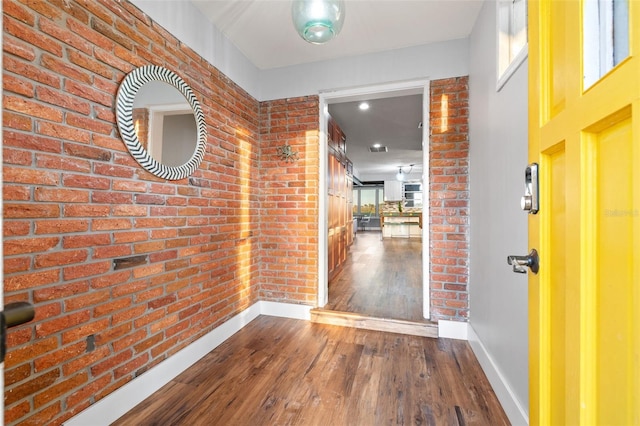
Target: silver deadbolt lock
<point x="530" y="199"/>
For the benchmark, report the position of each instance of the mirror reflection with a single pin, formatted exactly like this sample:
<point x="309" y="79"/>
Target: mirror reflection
<point x="165" y="123"/>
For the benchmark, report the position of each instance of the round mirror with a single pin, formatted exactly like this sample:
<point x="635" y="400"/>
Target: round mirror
<point x="161" y="122"/>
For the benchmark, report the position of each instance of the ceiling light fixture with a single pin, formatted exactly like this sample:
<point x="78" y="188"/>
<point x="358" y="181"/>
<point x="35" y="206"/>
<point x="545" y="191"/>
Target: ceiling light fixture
<point x="318" y="21"/>
<point x="363" y="106"/>
<point x="401" y="175"/>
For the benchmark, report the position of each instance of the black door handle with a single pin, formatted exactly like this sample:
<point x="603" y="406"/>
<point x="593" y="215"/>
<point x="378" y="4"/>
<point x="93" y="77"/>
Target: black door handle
<point x="521" y="263"/>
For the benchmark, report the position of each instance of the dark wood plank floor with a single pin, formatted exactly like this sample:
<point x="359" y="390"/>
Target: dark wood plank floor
<point x="278" y="371"/>
<point x="381" y="279"/>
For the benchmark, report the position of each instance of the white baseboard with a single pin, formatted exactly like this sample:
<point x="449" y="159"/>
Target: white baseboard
<point x="286" y="310"/>
<point x="515" y="411"/>
<point x="453" y="329"/>
<point x="119" y="402"/>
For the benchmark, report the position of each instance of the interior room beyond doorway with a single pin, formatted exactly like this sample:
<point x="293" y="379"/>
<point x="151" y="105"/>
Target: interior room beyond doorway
<point x="375" y="280"/>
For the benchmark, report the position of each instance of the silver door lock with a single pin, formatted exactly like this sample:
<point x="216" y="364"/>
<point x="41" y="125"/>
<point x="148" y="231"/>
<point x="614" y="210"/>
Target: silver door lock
<point x="530" y="200"/>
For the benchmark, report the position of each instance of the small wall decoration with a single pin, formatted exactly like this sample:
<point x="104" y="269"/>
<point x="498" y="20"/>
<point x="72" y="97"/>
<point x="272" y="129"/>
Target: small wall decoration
<point x="286" y="153"/>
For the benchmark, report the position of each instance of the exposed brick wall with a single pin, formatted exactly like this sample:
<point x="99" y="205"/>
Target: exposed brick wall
<point x="75" y="201"/>
<point x="289" y="212"/>
<point x="449" y="198"/>
<point x="243" y="228"/>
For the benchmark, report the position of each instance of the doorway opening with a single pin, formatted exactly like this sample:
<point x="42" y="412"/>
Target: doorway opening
<point x="393" y="90"/>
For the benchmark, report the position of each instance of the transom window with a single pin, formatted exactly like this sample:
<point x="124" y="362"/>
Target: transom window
<point x="512" y="37"/>
<point x="606" y="37"/>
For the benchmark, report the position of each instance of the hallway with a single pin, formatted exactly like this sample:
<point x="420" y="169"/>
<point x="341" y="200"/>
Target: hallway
<point x="278" y="371"/>
<point x="381" y="278"/>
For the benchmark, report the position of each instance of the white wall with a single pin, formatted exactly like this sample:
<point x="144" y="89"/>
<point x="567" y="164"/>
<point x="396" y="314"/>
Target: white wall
<point x="188" y="24"/>
<point x="431" y="61"/>
<point x="498" y="157"/>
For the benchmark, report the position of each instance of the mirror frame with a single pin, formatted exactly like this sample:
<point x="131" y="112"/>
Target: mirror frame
<point x="124" y="117"/>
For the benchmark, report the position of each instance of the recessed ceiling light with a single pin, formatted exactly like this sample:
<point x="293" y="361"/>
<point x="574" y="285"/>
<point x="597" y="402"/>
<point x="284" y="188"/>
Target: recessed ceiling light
<point x="363" y="106"/>
<point x="376" y="145"/>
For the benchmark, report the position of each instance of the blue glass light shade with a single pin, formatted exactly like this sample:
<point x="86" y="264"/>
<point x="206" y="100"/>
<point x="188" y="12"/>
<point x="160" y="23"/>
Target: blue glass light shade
<point x="317" y="21"/>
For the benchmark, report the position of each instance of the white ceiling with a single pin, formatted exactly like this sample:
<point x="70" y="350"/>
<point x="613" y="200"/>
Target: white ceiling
<point x="391" y="122"/>
<point x="263" y="31"/>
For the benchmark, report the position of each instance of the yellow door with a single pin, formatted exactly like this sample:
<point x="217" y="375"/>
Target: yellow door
<point x="584" y="304"/>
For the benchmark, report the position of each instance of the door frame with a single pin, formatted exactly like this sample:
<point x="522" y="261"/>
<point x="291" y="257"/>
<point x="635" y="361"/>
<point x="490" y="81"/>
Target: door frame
<point x="328" y="97"/>
<point x="1" y="249"/>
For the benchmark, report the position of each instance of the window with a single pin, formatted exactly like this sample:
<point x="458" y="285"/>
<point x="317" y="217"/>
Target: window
<point x="512" y="37"/>
<point x="413" y="194"/>
<point x="366" y="200"/>
<point x="606" y="37"/>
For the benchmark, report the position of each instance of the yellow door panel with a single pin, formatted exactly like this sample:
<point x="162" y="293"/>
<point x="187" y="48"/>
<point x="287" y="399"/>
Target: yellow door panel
<point x="562" y="335"/>
<point x="584" y="305"/>
<point x="613" y="154"/>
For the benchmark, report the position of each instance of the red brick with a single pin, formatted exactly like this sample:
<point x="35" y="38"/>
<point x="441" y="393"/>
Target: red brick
<point x="18" y="48"/>
<point x="84" y="151"/>
<point x="86" y="211"/>
<point x="129" y="210"/>
<point x="112" y="333"/>
<point x="30" y="387"/>
<point x="30" y="245"/>
<point x="33" y="109"/>
<point x="83" y="361"/>
<point x="108" y="280"/>
<point x="148" y="318"/>
<point x="31" y="72"/>
<point x="111" y="362"/>
<point x="111" y="197"/>
<point x="110" y="307"/>
<point x="54" y="97"/>
<point x="18" y="86"/>
<point x="58" y="292"/>
<point x="29" y="176"/>
<point x="12" y="414"/>
<point x="34" y="211"/>
<point x="63" y="131"/>
<point x="111" y="251"/>
<point x="60" y="226"/>
<point x="54" y="358"/>
<point x="86" y="300"/>
<point x="85" y="393"/>
<point x="164" y="324"/>
<point x="110" y="224"/>
<point x="129" y="340"/>
<point x="14" y="156"/>
<point x="19" y="12"/>
<point x="61" y="195"/>
<point x="17" y="374"/>
<point x="32" y="350"/>
<point x="47" y="328"/>
<point x="85" y="270"/>
<point x="87" y="92"/>
<point x="129" y="237"/>
<point x="89" y="63"/>
<point x="79" y="241"/>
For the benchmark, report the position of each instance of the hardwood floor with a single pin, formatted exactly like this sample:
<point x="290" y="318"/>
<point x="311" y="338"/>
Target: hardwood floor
<point x="380" y="279"/>
<point x="278" y="371"/>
